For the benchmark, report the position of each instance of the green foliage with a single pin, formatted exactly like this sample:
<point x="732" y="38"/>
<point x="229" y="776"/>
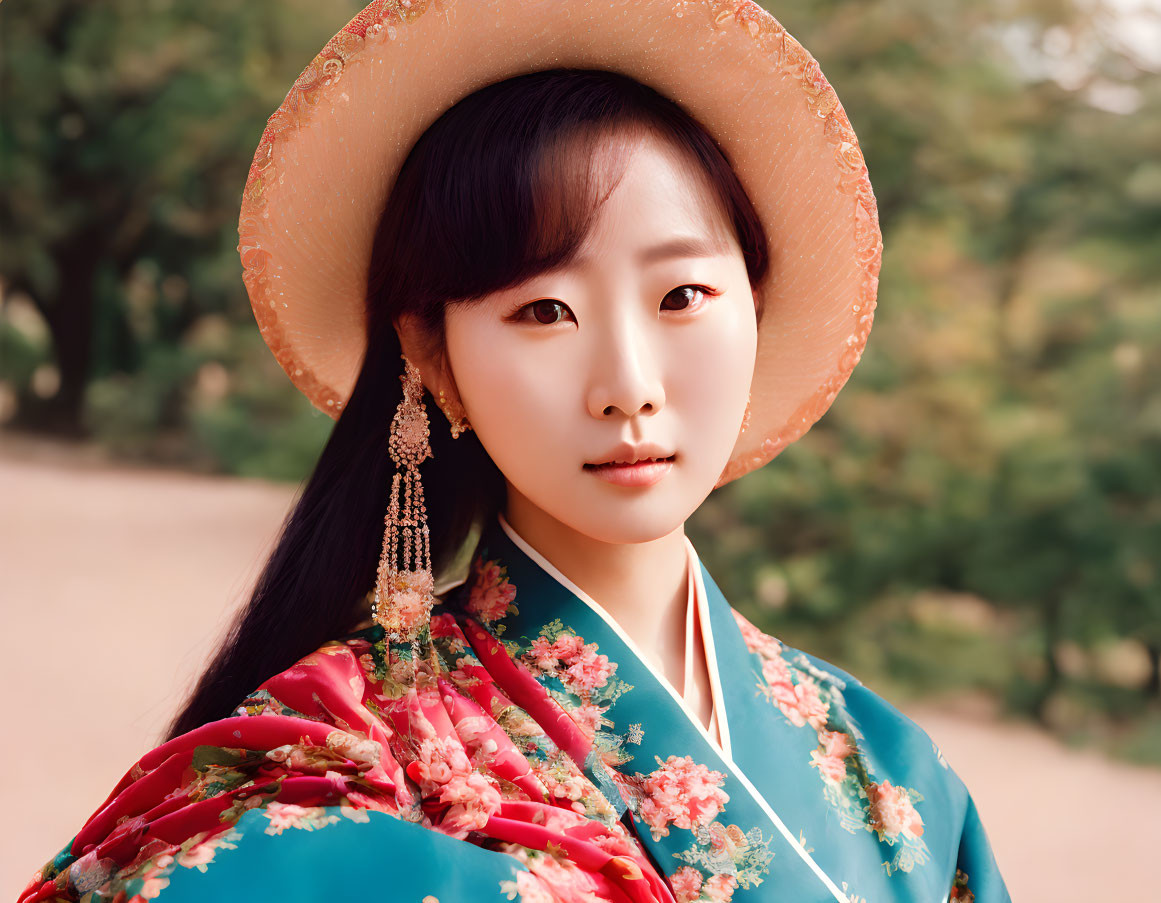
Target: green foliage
<point x="258" y="429"/>
<point x="996" y="450"/>
<point x="981" y="498"/>
<point x="20" y="355"/>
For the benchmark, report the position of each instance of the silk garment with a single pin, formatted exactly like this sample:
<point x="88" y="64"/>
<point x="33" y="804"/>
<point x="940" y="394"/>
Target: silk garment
<point x="534" y="754"/>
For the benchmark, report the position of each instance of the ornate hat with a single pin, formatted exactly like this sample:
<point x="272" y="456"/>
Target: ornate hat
<point x="329" y="154"/>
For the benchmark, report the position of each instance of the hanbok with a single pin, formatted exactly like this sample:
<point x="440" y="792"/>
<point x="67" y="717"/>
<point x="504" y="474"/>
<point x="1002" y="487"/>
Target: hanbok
<point x="533" y="753"/>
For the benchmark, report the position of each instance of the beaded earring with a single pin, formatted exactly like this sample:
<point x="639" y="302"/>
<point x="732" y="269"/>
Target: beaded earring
<point x="404" y="586"/>
<point x="457" y="424"/>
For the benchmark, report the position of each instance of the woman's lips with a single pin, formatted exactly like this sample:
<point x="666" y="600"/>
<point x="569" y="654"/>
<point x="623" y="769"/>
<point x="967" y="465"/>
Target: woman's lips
<point x="641" y="473"/>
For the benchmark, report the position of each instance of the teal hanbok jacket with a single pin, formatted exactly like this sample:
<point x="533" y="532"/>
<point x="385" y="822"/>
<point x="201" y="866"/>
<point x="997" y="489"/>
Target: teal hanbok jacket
<point x="532" y="753"/>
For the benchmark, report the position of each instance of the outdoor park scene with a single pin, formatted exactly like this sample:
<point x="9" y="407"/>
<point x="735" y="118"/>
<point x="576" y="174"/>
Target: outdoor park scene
<point x="972" y="529"/>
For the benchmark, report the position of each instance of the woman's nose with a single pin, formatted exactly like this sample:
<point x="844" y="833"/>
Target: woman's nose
<point x="626" y="371"/>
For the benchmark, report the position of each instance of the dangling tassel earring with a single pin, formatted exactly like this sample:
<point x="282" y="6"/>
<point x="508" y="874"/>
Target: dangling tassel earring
<point x="404" y="588"/>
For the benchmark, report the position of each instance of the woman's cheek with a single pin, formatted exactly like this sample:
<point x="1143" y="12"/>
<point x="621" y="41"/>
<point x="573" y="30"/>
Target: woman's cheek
<point x="521" y="415"/>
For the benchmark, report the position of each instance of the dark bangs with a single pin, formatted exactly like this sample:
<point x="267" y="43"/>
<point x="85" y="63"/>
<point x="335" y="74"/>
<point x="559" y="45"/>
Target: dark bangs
<point x="501" y="188"/>
<point x="507" y="183"/>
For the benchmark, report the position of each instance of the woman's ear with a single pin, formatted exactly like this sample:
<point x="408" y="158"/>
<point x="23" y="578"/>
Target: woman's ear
<point x="422" y="350"/>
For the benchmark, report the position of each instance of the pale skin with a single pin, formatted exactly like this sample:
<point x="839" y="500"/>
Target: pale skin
<point x="620" y="347"/>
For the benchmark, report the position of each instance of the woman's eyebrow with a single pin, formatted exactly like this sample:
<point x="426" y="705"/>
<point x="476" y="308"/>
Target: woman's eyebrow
<point x="684" y="246"/>
<point x="675" y="247"/>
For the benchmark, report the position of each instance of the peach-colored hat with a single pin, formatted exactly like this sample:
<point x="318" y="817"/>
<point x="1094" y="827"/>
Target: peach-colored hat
<point x="329" y="154"/>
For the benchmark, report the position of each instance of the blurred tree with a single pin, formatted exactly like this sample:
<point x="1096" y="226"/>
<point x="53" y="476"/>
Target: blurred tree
<point x="1001" y="436"/>
<point x="125" y="135"/>
<point x="1000" y="442"/>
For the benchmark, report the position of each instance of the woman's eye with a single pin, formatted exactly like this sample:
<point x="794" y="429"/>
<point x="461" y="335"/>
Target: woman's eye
<point x="549" y="312"/>
<point x="687" y="297"/>
<point x="545" y="311"/>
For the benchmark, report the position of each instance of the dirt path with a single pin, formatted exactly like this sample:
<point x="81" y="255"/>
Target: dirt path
<point x="115" y="584"/>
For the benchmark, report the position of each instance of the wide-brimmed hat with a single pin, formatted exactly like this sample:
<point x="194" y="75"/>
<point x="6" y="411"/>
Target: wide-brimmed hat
<point x="329" y="154"/>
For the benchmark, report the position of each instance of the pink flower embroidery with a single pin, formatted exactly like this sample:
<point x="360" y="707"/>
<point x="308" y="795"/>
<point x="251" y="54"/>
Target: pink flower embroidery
<point x="544" y="654"/>
<point x="686" y="882"/>
<point x="585" y="669"/>
<point x="801" y="703"/>
<point x="681" y="792"/>
<point x="197" y="855"/>
<point x="153" y="881"/>
<point x="564" y="786"/>
<point x="891" y="812"/>
<point x="532" y="890"/>
<point x="756" y="640"/>
<point x="283" y="816"/>
<point x="549" y="879"/>
<point x="720" y="888"/>
<point x="444" y="771"/>
<point x="568" y="646"/>
<point x="830" y="767"/>
<point x="152" y="888"/>
<point x="589" y="670"/>
<point x="834" y="747"/>
<point x="491" y="593"/>
<point x="835" y="744"/>
<point x="588" y="718"/>
<point x="776" y="671"/>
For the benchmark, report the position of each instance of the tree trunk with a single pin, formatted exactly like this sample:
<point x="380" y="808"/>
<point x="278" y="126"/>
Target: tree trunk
<point x="1153" y="684"/>
<point x="1052" y="670"/>
<point x="70" y="322"/>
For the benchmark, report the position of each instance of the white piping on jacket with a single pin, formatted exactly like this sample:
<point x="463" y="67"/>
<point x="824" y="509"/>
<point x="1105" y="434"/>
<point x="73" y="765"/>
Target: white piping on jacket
<point x="560" y="578"/>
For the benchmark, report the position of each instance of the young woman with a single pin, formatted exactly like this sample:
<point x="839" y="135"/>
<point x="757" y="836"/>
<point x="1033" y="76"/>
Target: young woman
<point x="616" y="314"/>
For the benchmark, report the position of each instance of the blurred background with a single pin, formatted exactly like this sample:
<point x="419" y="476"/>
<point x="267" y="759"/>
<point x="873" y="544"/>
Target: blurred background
<point x="974" y="528"/>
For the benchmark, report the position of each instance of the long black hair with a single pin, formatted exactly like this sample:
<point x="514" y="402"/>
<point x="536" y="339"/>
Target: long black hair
<point x="500" y="188"/>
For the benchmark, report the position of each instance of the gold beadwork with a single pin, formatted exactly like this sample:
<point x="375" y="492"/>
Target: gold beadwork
<point x="404" y="586"/>
<point x="457" y="424"/>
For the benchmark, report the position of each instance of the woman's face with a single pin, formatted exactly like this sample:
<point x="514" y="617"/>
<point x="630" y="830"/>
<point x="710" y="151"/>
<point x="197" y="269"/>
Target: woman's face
<point x="645" y="346"/>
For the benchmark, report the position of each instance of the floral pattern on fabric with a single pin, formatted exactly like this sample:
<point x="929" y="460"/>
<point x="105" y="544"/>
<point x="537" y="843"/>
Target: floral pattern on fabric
<point x="683" y="793"/>
<point x="534" y="755"/>
<point x="678" y="793"/>
<point x="231" y="781"/>
<point x="491" y="595"/>
<point x="430" y="741"/>
<point x="580" y="680"/>
<point x="807" y="696"/>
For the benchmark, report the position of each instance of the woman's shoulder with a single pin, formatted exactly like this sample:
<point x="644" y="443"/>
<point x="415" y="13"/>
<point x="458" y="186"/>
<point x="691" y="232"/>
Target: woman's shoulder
<point x="879" y="769"/>
<point x="846" y="712"/>
<point x="288" y="852"/>
<point x="292" y="791"/>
